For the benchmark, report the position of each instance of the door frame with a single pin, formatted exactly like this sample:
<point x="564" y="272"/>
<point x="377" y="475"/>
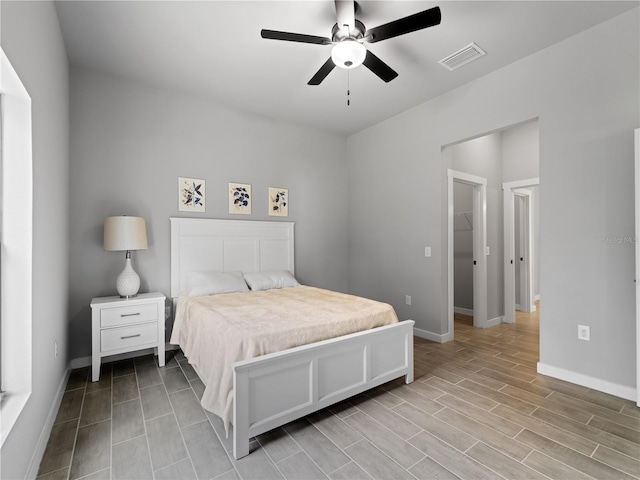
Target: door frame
<point x="479" y="185"/>
<point x="525" y="241"/>
<point x="637" y="204"/>
<point x="510" y="190"/>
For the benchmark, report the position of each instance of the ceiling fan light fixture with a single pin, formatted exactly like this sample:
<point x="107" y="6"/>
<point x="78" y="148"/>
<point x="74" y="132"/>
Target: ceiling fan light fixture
<point x="348" y="53"/>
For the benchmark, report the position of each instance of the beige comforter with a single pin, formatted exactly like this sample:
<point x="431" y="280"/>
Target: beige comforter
<point x="216" y="331"/>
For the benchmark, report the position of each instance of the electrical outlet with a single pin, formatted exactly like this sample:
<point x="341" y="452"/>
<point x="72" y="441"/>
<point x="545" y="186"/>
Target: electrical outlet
<point x="584" y="332"/>
<point x="167" y="312"/>
<point x="427" y="251"/>
<point x="407" y="299"/>
<point x="55" y="349"/>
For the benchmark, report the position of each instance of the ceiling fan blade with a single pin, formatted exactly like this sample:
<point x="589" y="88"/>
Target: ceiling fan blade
<point x="409" y="24"/>
<point x="322" y="73"/>
<point x="294" y="37"/>
<point x="345" y="11"/>
<point x="377" y="66"/>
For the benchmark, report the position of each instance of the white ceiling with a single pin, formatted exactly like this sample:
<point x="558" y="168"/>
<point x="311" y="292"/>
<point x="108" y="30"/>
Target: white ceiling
<point x="214" y="48"/>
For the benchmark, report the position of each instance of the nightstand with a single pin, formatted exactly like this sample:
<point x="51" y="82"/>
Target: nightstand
<point x="120" y="325"/>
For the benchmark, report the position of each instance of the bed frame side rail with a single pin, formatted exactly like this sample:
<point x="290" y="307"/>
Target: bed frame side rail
<point x="278" y="388"/>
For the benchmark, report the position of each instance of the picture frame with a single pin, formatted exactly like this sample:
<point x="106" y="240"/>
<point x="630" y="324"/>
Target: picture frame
<point x="278" y="202"/>
<point x="240" y="198"/>
<point x="191" y="194"/>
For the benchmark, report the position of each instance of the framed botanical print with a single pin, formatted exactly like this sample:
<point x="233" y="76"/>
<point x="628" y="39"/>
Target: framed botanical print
<point x="278" y="202"/>
<point x="191" y="194"/>
<point x="240" y="198"/>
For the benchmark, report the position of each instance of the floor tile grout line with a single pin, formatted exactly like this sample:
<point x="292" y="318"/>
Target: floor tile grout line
<point x="568" y="447"/>
<point x="424" y="455"/>
<point x="75" y="440"/>
<point x="470" y="447"/>
<point x="90" y="474"/>
<point x="275" y="464"/>
<point x="144" y="423"/>
<point x="222" y="443"/>
<point x="176" y="418"/>
<point x="330" y="440"/>
<point x="400" y="415"/>
<point x="207" y="419"/>
<point x="582" y="436"/>
<point x="590" y="404"/>
<point x="364" y="439"/>
<point x="434" y="460"/>
<point x="636" y="475"/>
<point x="111" y="407"/>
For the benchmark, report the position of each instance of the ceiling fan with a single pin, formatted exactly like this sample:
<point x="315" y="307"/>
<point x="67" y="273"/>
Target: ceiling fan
<point x="349" y="35"/>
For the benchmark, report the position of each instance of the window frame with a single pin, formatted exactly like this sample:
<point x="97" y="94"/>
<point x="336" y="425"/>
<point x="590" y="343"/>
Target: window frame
<point x="16" y="240"/>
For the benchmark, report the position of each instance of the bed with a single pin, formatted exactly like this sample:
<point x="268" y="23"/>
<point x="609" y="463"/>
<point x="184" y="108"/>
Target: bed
<point x="254" y="377"/>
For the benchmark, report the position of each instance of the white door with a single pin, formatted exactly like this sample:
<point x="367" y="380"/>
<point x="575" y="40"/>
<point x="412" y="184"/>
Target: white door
<point x="523" y="257"/>
<point x="479" y="248"/>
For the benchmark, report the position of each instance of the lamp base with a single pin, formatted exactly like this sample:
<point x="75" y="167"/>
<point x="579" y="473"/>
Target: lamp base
<point x="128" y="282"/>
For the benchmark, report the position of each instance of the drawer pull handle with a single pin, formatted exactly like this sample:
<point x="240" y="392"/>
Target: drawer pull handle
<point x="129" y="314"/>
<point x="130" y="336"/>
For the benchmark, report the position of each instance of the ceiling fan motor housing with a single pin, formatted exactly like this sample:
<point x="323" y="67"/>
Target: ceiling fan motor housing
<point x="338" y="34"/>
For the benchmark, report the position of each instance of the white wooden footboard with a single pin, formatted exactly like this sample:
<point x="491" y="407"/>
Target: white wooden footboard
<point x="275" y="389"/>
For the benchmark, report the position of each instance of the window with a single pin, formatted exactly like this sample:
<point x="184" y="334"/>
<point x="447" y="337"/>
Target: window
<point x="16" y="207"/>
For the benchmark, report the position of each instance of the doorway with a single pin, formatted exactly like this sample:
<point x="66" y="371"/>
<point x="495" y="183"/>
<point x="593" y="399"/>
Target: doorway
<point x="518" y="249"/>
<point x="479" y="236"/>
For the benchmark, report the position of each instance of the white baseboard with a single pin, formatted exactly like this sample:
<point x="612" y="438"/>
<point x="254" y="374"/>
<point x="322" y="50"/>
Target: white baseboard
<point x="622" y="391"/>
<point x="41" y="446"/>
<point x="86" y="361"/>
<point x="494" y="321"/>
<point x="463" y="311"/>
<point x="434" y="337"/>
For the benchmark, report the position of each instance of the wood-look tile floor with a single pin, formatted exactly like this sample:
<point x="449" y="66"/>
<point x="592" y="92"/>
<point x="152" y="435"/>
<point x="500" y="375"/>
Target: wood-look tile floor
<point x="477" y="410"/>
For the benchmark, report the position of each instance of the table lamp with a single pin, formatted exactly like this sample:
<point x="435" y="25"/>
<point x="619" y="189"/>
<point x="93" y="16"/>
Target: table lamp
<point x="123" y="233"/>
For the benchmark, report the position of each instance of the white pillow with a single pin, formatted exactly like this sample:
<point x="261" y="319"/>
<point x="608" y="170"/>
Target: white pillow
<point x="210" y="283"/>
<point x="268" y="280"/>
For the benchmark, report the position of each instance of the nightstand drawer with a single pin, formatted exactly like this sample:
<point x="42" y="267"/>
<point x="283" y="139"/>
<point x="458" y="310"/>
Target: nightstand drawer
<point x="126" y="337"/>
<point x="112" y="317"/>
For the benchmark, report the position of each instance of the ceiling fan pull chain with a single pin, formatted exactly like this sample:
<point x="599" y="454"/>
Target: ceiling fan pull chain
<point x="348" y="89"/>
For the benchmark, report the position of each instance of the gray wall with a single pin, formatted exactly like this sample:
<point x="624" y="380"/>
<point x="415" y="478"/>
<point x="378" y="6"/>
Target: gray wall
<point x="586" y="117"/>
<point x="129" y="144"/>
<point x="32" y="41"/>
<point x="520" y="151"/>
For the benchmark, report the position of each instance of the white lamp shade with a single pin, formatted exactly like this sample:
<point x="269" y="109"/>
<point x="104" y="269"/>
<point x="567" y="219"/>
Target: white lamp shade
<point x="125" y="233"/>
<point x="348" y="54"/>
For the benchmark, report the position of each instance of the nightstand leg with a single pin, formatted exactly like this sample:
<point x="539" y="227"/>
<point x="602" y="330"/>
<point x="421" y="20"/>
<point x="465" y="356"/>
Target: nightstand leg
<point x="95" y="344"/>
<point x="95" y="369"/>
<point x="160" y="353"/>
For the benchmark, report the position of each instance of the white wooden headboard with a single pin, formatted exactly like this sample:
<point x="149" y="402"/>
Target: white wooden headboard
<point x="202" y="244"/>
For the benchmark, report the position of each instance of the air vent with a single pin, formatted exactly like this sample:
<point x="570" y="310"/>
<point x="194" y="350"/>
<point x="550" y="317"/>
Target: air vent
<point x="463" y="56"/>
